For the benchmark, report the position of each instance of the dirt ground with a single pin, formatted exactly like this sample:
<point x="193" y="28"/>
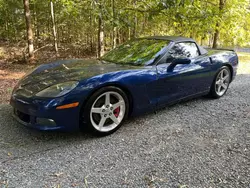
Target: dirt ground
<point x="13" y="68"/>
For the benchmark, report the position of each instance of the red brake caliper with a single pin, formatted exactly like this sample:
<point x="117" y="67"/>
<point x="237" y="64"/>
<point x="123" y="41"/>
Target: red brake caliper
<point x="117" y="111"/>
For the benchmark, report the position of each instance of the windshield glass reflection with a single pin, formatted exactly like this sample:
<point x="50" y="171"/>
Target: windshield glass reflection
<point x="136" y="52"/>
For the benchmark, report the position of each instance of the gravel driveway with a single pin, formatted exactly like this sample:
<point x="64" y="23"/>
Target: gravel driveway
<point x="199" y="143"/>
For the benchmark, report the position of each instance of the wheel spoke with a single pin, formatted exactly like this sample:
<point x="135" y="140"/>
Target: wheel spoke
<point x="217" y="82"/>
<point x="219" y="88"/>
<point x="222" y="74"/>
<point x="226" y="77"/>
<point x="114" y="119"/>
<point x="107" y="99"/>
<point x="96" y="110"/>
<point x="101" y="123"/>
<point x="116" y="105"/>
<point x="224" y="86"/>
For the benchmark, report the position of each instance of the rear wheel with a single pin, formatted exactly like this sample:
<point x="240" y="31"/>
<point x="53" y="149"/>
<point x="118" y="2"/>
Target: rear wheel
<point x="221" y="82"/>
<point x="106" y="110"/>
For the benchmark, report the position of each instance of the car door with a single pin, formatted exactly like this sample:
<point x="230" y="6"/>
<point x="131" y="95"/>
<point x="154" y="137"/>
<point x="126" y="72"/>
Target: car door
<point x="195" y="78"/>
<point x="184" y="79"/>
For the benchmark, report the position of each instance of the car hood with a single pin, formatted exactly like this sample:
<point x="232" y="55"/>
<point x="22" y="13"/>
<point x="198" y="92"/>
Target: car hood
<point x="65" y="70"/>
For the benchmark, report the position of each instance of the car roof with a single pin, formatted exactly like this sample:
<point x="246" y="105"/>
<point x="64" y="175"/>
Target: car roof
<point x="171" y="38"/>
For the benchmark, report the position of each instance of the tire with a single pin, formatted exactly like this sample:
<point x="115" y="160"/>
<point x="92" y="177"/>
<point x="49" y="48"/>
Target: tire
<point x="221" y="83"/>
<point x="105" y="111"/>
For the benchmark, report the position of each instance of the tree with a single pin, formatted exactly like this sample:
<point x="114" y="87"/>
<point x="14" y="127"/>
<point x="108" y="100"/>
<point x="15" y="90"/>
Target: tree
<point x="101" y="44"/>
<point x="114" y="28"/>
<point x="53" y="25"/>
<point x="217" y="30"/>
<point x="91" y="26"/>
<point x="29" y="30"/>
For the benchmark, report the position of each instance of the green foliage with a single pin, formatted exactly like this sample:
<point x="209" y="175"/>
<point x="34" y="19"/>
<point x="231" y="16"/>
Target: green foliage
<point x="77" y="21"/>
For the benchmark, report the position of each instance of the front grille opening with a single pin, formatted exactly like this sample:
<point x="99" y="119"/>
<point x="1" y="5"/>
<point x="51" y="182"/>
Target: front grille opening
<point x="22" y="116"/>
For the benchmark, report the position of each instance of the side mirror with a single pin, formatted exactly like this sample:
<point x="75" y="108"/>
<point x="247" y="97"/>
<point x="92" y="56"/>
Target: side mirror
<point x="178" y="61"/>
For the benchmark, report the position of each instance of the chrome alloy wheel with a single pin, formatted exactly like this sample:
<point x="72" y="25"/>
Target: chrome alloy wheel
<point x="107" y="111"/>
<point x="222" y="82"/>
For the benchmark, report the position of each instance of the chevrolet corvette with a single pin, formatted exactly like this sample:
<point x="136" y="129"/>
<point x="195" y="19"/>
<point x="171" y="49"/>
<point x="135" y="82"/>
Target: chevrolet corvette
<point x="138" y="76"/>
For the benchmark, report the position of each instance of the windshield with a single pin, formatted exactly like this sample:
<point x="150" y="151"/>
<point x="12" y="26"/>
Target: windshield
<point x="136" y="52"/>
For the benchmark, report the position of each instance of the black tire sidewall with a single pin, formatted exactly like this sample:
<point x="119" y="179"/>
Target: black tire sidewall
<point x="212" y="90"/>
<point x="87" y="108"/>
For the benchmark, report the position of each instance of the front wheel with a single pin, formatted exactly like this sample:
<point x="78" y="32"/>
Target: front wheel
<point x="105" y="110"/>
<point x="221" y="82"/>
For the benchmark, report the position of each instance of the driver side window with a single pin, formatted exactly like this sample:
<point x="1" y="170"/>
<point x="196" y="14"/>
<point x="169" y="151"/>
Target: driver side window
<point x="182" y="50"/>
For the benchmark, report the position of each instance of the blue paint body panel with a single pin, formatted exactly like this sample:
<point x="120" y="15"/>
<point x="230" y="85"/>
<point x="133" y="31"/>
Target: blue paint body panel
<point x="149" y="87"/>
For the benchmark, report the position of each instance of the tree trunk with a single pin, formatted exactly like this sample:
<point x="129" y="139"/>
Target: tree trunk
<point x="135" y="21"/>
<point x="6" y="24"/>
<point x="54" y="26"/>
<point x="29" y="30"/>
<point x="129" y="33"/>
<point x="36" y="27"/>
<point x="216" y="35"/>
<point x="100" y="37"/>
<point x="91" y="27"/>
<point x="118" y="41"/>
<point x="217" y="30"/>
<point x="210" y="39"/>
<point x="100" y="34"/>
<point x="114" y="35"/>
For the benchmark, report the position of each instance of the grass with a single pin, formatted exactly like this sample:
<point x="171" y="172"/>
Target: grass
<point x="244" y="63"/>
<point x="244" y="57"/>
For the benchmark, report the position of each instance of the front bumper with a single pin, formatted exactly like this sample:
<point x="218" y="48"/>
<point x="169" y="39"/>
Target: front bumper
<point x="42" y="114"/>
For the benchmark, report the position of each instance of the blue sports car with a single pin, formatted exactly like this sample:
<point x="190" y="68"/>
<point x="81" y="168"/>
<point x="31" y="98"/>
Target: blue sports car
<point x="136" y="77"/>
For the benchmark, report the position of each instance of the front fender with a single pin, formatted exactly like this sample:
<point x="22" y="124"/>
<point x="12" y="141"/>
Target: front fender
<point x="133" y="82"/>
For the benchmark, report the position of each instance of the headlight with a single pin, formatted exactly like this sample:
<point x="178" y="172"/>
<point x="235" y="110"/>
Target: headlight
<point x="58" y="89"/>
